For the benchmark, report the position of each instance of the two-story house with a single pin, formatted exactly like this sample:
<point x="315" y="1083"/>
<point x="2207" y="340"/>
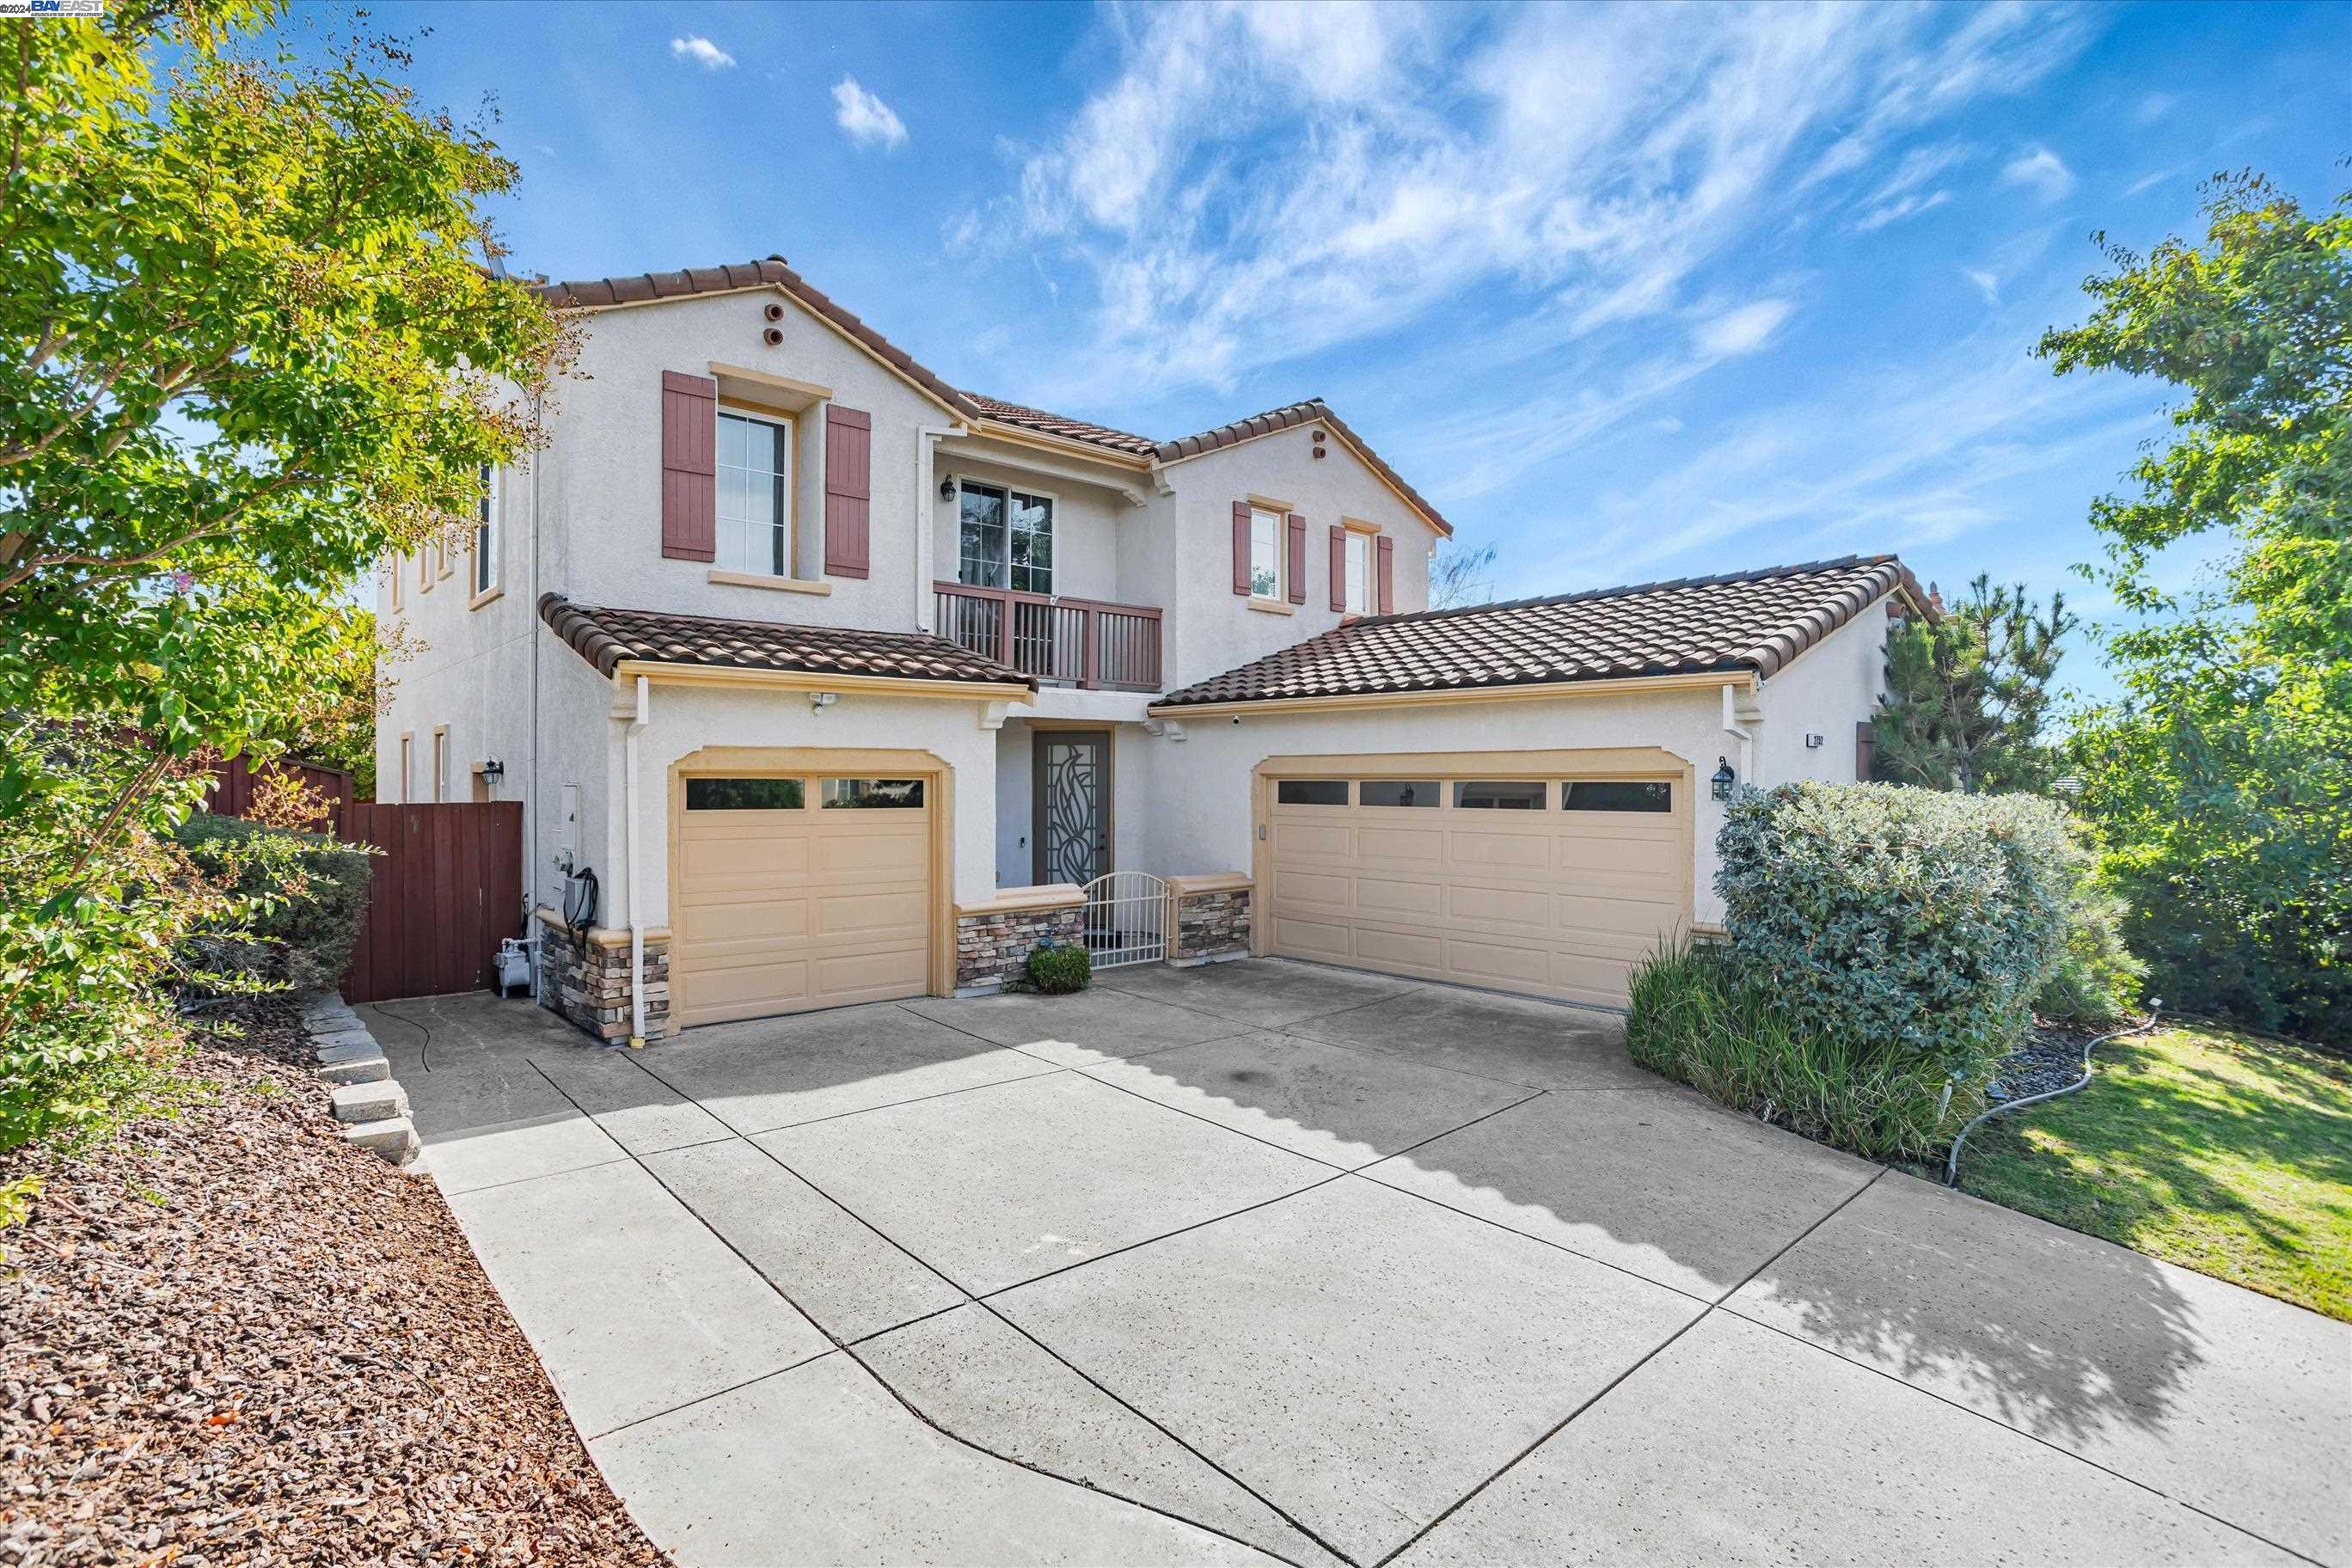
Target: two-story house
<point x="825" y="681"/>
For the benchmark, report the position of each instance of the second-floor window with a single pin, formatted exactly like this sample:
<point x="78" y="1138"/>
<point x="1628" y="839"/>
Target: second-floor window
<point x="486" y="533"/>
<point x="1359" y="573"/>
<point x="1265" y="555"/>
<point x="755" y="481"/>
<point x="1004" y="539"/>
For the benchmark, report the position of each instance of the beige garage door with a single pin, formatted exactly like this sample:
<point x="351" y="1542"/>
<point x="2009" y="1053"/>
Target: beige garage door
<point x="1524" y="881"/>
<point x="792" y="893"/>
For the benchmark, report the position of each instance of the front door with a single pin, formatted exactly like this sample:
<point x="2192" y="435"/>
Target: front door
<point x="1070" y="786"/>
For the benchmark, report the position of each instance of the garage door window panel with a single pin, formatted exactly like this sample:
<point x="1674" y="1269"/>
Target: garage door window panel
<point x="1311" y="792"/>
<point x="872" y="794"/>
<point x="1399" y="793"/>
<point x="1500" y="794"/>
<point x="746" y="794"/>
<point x="1618" y="794"/>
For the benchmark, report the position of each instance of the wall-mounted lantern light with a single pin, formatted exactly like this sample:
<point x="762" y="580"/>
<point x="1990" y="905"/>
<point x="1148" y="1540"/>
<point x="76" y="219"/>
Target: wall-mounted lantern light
<point x="946" y="488"/>
<point x="1724" y="778"/>
<point x="492" y="771"/>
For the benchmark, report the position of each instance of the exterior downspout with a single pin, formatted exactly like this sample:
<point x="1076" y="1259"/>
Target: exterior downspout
<point x="1739" y="732"/>
<point x="636" y="910"/>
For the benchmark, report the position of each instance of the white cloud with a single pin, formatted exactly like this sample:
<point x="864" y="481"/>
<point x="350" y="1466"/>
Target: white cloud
<point x="2154" y="106"/>
<point x="1986" y="283"/>
<point x="1742" y="330"/>
<point x="2149" y="182"/>
<point x="869" y="122"/>
<point x="1253" y="183"/>
<point x="702" y="52"/>
<point x="1900" y="208"/>
<point x="2041" y="169"/>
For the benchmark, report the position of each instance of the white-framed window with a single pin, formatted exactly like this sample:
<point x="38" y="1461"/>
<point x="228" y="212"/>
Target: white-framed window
<point x="1360" y="573"/>
<point x="407" y="769"/>
<point x="441" y="763"/>
<point x="1265" y="553"/>
<point x="486" y="531"/>
<point x="424" y="568"/>
<point x="755" y="494"/>
<point x="1004" y="537"/>
<point x="399" y="567"/>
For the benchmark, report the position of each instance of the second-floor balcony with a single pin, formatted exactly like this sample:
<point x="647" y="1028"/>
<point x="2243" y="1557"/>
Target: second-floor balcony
<point x="1085" y="643"/>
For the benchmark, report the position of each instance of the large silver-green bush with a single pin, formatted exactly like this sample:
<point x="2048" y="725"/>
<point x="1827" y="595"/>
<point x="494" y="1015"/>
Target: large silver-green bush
<point x="1891" y="918"/>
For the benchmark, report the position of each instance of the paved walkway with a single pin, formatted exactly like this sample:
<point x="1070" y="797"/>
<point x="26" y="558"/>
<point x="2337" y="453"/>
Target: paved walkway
<point x="1270" y="1260"/>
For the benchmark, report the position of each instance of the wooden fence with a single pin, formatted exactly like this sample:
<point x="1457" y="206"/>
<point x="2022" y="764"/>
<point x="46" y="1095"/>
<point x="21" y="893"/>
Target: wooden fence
<point x="233" y="780"/>
<point x="448" y="887"/>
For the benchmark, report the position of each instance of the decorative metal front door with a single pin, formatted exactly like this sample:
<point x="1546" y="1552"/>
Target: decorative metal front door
<point x="1069" y="781"/>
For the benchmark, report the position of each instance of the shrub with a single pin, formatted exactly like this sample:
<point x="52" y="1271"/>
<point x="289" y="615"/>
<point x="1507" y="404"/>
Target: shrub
<point x="1695" y="1021"/>
<point x="2094" y="978"/>
<point x="1057" y="968"/>
<point x="307" y="894"/>
<point x="1878" y="918"/>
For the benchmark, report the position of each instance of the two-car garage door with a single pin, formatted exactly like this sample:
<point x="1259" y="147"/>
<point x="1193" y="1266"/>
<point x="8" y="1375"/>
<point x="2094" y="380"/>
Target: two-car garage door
<point x="1517" y="878"/>
<point x="788" y="893"/>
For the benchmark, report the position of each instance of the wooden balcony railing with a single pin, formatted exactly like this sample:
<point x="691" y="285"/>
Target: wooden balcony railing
<point x="1076" y="642"/>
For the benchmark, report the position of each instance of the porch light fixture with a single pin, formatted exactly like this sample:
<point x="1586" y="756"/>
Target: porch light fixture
<point x="493" y="771"/>
<point x="1724" y="778"/>
<point x="946" y="488"/>
<point x="821" y="700"/>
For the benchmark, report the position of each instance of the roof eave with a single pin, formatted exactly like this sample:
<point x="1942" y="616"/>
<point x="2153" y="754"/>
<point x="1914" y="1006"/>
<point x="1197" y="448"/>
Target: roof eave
<point x="678" y="673"/>
<point x="1415" y="697"/>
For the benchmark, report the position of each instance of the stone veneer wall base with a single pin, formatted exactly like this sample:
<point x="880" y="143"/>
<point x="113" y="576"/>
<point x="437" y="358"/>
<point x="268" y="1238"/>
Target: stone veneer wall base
<point x="587" y="983"/>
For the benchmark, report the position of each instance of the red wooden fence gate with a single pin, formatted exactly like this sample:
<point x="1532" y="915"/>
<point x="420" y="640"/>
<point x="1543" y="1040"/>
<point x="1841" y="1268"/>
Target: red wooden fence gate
<point x="448" y="887"/>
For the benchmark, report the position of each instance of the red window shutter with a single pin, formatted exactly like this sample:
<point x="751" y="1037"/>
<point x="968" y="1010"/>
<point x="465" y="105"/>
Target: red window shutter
<point x="690" y="467"/>
<point x="1387" y="575"/>
<point x="1865" y="752"/>
<point x="848" y="491"/>
<point x="1241" y="547"/>
<point x="1297" y="539"/>
<point x="1338" y="568"/>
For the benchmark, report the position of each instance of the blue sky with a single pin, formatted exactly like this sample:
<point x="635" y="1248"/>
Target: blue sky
<point x="1628" y="293"/>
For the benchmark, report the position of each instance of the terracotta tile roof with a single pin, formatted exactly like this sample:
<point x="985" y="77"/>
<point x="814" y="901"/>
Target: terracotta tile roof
<point x="643" y="288"/>
<point x="604" y="293"/>
<point x="1069" y="429"/>
<point x="604" y="637"/>
<point x="1752" y="621"/>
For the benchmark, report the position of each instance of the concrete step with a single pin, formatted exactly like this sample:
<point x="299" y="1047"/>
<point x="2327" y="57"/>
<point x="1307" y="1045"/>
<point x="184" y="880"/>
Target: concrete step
<point x="357" y="1069"/>
<point x="359" y="1049"/>
<point x="355" y="1035"/>
<point x="393" y="1137"/>
<point x="370" y="1101"/>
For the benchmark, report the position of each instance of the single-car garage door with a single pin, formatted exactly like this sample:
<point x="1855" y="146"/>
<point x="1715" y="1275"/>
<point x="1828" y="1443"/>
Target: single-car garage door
<point x="1522" y="881"/>
<point x="792" y="893"/>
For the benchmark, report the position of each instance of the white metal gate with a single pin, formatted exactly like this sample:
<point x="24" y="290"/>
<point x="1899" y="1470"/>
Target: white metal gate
<point x="1126" y="919"/>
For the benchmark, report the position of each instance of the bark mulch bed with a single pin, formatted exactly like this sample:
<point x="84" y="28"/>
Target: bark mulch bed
<point x="227" y="1337"/>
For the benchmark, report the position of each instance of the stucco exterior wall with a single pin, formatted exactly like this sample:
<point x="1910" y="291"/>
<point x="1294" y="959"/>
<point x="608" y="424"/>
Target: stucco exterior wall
<point x="1213" y="628"/>
<point x="1835" y="686"/>
<point x="604" y="493"/>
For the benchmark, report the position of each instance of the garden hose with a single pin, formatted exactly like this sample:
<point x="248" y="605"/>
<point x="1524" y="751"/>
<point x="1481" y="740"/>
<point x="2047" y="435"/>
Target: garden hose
<point x="1952" y="1164"/>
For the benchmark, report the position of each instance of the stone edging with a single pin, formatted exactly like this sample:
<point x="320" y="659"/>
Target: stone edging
<point x="373" y="1109"/>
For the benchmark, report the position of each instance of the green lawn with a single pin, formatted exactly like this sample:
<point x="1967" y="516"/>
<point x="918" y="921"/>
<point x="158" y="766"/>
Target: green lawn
<point x="2218" y="1152"/>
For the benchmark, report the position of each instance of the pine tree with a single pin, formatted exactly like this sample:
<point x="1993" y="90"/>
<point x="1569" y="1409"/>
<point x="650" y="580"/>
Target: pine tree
<point x="1966" y="694"/>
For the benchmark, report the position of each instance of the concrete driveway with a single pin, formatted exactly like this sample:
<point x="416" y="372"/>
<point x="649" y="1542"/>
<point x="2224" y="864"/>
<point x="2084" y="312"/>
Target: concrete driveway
<point x="1272" y="1260"/>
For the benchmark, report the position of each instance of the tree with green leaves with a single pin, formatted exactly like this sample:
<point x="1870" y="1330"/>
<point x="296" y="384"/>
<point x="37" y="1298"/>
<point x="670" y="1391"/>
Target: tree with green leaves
<point x="249" y="345"/>
<point x="1967" y="692"/>
<point x="2221" y="776"/>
